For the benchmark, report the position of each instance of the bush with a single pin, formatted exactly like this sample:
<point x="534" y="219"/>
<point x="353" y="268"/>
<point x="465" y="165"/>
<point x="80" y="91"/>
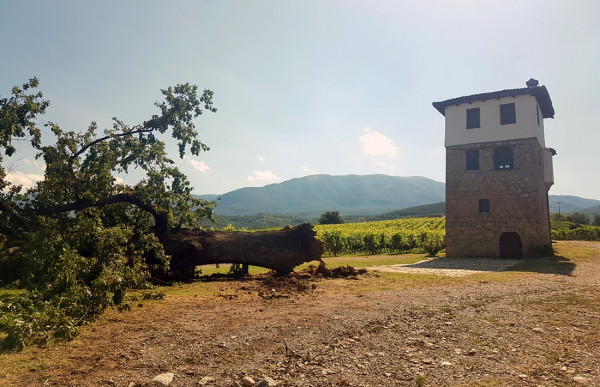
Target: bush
<point x="433" y="245"/>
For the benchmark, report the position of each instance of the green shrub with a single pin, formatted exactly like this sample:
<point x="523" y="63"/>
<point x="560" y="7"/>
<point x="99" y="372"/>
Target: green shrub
<point x="433" y="245"/>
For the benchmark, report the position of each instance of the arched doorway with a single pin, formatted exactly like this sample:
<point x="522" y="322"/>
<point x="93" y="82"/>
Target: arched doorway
<point x="511" y="246"/>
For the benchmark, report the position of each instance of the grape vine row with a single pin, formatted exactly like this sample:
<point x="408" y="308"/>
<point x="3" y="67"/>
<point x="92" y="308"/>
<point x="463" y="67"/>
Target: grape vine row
<point x="386" y="236"/>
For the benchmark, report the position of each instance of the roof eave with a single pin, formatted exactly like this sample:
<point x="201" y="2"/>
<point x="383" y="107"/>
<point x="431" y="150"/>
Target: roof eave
<point x="540" y="93"/>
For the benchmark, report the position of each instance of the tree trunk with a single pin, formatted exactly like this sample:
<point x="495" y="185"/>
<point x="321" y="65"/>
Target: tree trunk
<point x="280" y="250"/>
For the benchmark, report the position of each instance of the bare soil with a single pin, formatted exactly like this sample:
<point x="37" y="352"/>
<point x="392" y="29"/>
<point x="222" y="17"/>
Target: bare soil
<point x="536" y="328"/>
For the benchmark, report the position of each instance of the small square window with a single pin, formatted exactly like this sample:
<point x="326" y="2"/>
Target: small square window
<point x="473" y="118"/>
<point x="484" y="205"/>
<point x="503" y="158"/>
<point x="508" y="114"/>
<point x="473" y="160"/>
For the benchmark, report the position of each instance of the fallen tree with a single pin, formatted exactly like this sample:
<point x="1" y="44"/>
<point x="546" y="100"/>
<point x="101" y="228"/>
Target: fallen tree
<point x="280" y="250"/>
<point x="80" y="238"/>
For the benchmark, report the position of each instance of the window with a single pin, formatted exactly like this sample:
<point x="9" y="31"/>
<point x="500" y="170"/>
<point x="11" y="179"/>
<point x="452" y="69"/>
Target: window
<point x="537" y="110"/>
<point x="473" y="118"/>
<point x="484" y="205"/>
<point x="503" y="158"/>
<point x="508" y="114"/>
<point x="473" y="160"/>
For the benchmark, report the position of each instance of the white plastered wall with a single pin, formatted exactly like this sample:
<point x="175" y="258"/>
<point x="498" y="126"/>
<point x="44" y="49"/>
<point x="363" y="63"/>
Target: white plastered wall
<point x="526" y="108"/>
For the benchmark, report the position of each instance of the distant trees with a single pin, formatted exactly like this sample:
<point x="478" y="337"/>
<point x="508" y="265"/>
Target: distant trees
<point x="576" y="217"/>
<point x="331" y="217"/>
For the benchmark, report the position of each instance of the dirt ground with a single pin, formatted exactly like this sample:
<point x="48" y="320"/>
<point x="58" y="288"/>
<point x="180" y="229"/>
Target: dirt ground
<point x="533" y="328"/>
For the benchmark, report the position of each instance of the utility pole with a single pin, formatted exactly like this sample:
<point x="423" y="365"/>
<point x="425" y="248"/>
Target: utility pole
<point x="559" y="203"/>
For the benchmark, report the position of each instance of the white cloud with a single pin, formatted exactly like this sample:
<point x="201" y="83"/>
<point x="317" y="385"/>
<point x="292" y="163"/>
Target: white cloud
<point x="308" y="171"/>
<point x="35" y="163"/>
<point x="377" y="144"/>
<point x="264" y="176"/>
<point x="200" y="166"/>
<point x="261" y="159"/>
<point x="27" y="180"/>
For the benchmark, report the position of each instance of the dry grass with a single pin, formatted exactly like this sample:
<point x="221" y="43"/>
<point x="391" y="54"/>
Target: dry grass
<point x="571" y="314"/>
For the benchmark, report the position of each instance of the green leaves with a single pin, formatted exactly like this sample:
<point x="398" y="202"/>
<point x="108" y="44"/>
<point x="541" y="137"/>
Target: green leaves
<point x="182" y="104"/>
<point x="18" y="114"/>
<point x="82" y="238"/>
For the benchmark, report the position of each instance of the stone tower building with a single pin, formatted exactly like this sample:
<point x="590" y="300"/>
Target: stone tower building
<point x="498" y="173"/>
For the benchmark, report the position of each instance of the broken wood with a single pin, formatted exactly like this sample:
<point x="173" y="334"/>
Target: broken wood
<point x="279" y="250"/>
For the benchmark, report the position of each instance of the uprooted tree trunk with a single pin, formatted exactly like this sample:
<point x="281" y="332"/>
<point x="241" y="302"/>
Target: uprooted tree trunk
<point x="280" y="250"/>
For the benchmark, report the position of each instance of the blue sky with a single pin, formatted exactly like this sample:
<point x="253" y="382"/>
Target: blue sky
<point x="304" y="87"/>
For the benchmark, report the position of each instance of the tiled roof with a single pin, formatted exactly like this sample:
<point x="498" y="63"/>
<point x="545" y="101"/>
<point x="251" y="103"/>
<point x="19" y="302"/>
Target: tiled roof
<point x="539" y="92"/>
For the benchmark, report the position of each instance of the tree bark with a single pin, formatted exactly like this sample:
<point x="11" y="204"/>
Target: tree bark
<point x="280" y="250"/>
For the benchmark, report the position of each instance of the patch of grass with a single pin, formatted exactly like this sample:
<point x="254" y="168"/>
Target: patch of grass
<point x="224" y="269"/>
<point x="374" y="260"/>
<point x="577" y="251"/>
<point x="21" y="362"/>
<point x="548" y="265"/>
<point x="420" y="380"/>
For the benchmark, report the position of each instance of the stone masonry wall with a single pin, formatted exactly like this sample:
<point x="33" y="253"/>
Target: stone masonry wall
<point x="517" y="197"/>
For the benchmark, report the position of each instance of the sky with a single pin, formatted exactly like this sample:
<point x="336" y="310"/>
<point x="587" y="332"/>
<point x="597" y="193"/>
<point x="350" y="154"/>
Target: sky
<point x="304" y="87"/>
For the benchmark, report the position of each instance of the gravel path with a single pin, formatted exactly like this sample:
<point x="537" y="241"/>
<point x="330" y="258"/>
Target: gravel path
<point x="452" y="267"/>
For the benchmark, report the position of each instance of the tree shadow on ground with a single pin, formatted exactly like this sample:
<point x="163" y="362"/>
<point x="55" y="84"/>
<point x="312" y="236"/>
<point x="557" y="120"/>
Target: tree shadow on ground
<point x="547" y="265"/>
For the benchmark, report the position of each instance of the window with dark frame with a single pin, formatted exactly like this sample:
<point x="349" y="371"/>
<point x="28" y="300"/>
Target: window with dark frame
<point x="473" y="120"/>
<point x="473" y="160"/>
<point x="484" y="205"/>
<point x="503" y="158"/>
<point x="508" y="114"/>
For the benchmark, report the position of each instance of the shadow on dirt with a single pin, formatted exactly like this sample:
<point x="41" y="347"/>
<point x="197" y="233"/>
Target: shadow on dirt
<point x="547" y="265"/>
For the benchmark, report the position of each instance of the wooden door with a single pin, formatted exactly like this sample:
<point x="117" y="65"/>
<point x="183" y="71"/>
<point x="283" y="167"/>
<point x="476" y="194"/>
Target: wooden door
<point x="511" y="246"/>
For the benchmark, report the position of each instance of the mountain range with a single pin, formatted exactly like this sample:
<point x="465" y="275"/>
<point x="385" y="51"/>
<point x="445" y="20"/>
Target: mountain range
<point x="356" y="195"/>
<point x="310" y="196"/>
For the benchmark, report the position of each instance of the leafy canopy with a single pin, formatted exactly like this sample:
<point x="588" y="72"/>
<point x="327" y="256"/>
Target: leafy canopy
<point x="331" y="217"/>
<point x="79" y="239"/>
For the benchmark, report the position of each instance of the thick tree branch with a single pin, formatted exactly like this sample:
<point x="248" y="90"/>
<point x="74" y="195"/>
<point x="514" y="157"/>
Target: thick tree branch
<point x="98" y="140"/>
<point x="20" y="219"/>
<point x="160" y="217"/>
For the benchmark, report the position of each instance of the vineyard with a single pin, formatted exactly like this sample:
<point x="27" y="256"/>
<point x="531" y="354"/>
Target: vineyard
<point x="564" y="231"/>
<point x="412" y="235"/>
<point x="425" y="235"/>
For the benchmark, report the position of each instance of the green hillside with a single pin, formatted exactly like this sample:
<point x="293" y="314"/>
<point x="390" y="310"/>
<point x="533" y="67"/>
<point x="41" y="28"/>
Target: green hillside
<point x="310" y="196"/>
